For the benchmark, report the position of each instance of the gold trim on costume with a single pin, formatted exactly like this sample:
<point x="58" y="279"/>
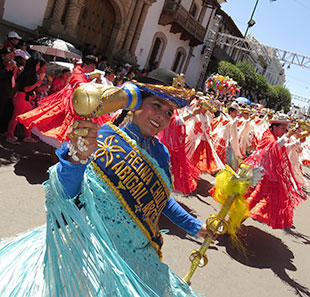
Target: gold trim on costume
<point x="119" y="196"/>
<point x="136" y="147"/>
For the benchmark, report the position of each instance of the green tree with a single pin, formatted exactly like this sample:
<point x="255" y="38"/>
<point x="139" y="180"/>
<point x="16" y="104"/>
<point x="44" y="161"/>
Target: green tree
<point x="262" y="85"/>
<point x="229" y="69"/>
<point x="271" y="97"/>
<point x="249" y="76"/>
<point x="284" y="98"/>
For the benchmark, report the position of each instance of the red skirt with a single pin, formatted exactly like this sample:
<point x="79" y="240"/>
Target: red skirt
<point x="270" y="204"/>
<point x="203" y="158"/>
<point x="55" y="115"/>
<point x="306" y="162"/>
<point x="184" y="173"/>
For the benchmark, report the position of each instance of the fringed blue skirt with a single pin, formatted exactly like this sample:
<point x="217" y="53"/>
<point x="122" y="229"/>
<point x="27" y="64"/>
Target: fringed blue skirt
<point x="94" y="251"/>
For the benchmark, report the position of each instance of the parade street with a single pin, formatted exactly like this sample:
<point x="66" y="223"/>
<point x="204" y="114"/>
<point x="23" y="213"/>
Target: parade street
<point x="276" y="262"/>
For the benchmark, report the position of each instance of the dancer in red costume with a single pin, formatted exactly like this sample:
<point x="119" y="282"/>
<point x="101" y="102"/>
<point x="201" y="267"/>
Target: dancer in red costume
<point x="274" y="198"/>
<point x="185" y="175"/>
<point x="52" y="119"/>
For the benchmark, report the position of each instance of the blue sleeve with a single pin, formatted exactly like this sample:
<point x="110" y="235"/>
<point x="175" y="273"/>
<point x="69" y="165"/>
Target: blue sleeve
<point x="179" y="216"/>
<point x="70" y="175"/>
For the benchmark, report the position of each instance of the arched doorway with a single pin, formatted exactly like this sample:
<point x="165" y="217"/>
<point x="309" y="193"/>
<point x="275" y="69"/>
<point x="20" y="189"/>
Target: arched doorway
<point x="156" y="51"/>
<point x="96" y="22"/>
<point x="178" y="60"/>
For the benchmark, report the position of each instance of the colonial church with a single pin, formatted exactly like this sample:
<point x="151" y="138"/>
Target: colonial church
<point x="113" y="26"/>
<point x="166" y="33"/>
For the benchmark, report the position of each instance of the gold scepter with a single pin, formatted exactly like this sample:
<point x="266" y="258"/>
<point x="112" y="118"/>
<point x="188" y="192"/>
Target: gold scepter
<point x="232" y="184"/>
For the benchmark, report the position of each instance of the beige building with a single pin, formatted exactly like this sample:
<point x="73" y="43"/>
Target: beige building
<point x="170" y="33"/>
<point x="113" y="26"/>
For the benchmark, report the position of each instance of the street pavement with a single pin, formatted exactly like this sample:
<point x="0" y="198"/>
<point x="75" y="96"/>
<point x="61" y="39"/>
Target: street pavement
<point x="276" y="262"/>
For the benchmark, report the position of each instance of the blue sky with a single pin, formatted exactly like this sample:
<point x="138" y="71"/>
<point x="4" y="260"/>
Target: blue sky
<point x="283" y="24"/>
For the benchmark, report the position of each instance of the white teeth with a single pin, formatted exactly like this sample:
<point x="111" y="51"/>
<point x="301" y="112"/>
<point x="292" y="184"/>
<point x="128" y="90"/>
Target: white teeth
<point x="154" y="123"/>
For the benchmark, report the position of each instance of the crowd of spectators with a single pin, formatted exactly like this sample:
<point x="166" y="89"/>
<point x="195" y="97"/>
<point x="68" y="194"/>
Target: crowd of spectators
<point x="25" y="78"/>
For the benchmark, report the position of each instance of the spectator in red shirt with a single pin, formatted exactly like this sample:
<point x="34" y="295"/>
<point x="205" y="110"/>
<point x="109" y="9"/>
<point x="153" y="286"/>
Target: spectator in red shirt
<point x="27" y="82"/>
<point x="60" y="82"/>
<point x="12" y="40"/>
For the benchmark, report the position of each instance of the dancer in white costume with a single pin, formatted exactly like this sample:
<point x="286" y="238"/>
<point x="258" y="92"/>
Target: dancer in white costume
<point x="227" y="132"/>
<point x="199" y="145"/>
<point x="294" y="151"/>
<point x="245" y="133"/>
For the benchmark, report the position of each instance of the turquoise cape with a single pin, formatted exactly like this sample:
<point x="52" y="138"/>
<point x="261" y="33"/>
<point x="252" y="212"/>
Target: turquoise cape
<point x="96" y="251"/>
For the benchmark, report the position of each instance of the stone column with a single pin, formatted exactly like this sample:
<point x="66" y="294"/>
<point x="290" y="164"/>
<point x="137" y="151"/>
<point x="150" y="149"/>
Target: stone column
<point x="49" y="9"/>
<point x="58" y="11"/>
<point x="133" y="25"/>
<point x="137" y="34"/>
<point x="73" y="14"/>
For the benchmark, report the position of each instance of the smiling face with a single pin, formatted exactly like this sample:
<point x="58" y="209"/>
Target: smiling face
<point x="153" y="116"/>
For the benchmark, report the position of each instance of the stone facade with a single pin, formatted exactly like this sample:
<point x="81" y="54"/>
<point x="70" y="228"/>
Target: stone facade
<point x="113" y="26"/>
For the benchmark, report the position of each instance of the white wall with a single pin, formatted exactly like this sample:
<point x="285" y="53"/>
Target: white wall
<point x="149" y="29"/>
<point x="187" y="4"/>
<point x="145" y="42"/>
<point x="26" y="13"/>
<point x="195" y="67"/>
<point x="173" y="42"/>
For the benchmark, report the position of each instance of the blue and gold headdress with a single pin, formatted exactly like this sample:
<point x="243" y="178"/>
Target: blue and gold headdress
<point x="177" y="97"/>
<point x="91" y="100"/>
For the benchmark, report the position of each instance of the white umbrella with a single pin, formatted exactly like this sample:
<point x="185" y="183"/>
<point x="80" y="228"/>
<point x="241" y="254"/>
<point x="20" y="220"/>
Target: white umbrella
<point x="56" y="47"/>
<point x="57" y="67"/>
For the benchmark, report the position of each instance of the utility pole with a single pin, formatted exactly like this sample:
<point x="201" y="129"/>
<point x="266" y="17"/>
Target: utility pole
<point x="251" y="22"/>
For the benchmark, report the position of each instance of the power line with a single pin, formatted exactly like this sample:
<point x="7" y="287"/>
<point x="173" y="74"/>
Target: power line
<point x="299" y="98"/>
<point x="301" y="4"/>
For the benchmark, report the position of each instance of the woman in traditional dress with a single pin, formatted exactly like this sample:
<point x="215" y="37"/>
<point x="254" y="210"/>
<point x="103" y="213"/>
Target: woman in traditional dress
<point x="27" y="82"/>
<point x="103" y="202"/>
<point x="52" y="118"/>
<point x="294" y="152"/>
<point x="227" y="132"/>
<point x="185" y="174"/>
<point x="305" y="155"/>
<point x="199" y="146"/>
<point x="245" y="133"/>
<point x="274" y="198"/>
